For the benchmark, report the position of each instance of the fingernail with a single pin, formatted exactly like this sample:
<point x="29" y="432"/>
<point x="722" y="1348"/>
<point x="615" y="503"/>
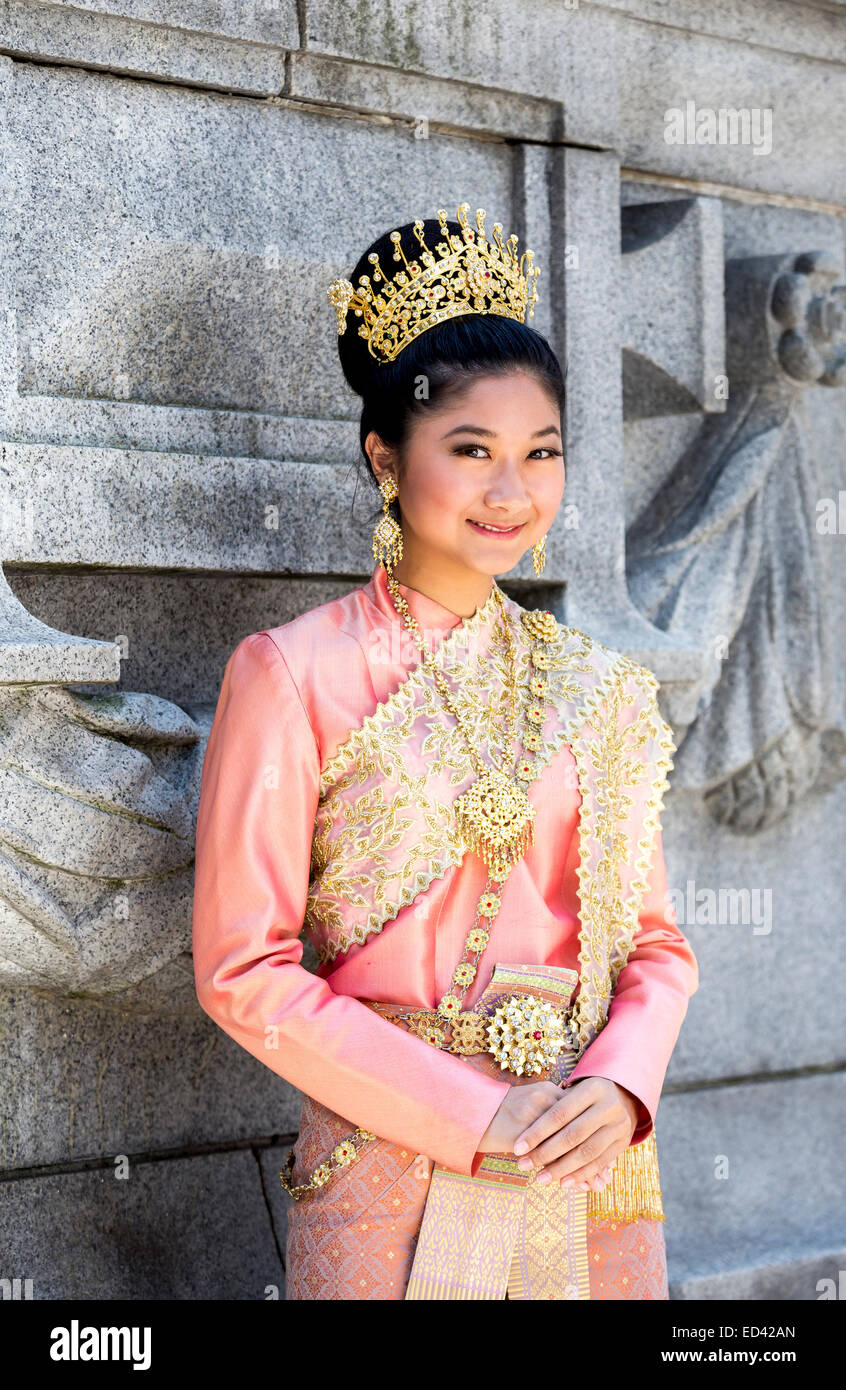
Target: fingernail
<point x="544" y="1179"/>
<point x="524" y="1164"/>
<point x="521" y="1147"/>
<point x="568" y="1182"/>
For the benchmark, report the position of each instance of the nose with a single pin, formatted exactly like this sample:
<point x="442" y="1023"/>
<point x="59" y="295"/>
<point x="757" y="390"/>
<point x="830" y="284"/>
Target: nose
<point x="507" y="488"/>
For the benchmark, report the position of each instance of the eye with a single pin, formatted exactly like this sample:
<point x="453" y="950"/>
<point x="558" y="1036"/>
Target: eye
<point x="465" y="448"/>
<point x="542" y="449"/>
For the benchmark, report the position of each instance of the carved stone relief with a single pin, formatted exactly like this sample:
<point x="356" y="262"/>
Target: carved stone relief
<point x="726" y="554"/>
<point x="98" y="801"/>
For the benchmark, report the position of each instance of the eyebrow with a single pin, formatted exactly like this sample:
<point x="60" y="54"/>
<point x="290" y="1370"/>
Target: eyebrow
<point x="491" y="434"/>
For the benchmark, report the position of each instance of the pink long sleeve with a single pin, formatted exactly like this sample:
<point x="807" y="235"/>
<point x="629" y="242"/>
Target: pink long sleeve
<point x="259" y="795"/>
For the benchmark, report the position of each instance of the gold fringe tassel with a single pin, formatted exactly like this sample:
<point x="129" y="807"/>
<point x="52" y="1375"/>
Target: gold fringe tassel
<point x="634" y="1189"/>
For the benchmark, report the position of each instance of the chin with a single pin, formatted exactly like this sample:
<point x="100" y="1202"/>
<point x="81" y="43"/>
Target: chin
<point x="479" y="567"/>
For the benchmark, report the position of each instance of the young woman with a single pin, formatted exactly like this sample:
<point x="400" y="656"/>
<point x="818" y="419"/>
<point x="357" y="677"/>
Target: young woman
<point x="458" y="798"/>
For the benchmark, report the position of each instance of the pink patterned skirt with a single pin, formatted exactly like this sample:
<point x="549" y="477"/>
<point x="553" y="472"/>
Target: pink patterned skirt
<point x="356" y="1238"/>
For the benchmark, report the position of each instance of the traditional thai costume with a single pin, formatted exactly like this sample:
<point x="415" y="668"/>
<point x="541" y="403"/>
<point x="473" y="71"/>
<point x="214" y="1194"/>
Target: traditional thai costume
<point x="332" y="788"/>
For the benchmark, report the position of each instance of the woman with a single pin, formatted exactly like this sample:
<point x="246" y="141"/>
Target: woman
<point x="459" y="799"/>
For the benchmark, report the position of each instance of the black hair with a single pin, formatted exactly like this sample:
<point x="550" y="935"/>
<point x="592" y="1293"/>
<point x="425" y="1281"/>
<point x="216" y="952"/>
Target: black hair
<point x="448" y="356"/>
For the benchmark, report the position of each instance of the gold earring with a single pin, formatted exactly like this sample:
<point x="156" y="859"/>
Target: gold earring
<point x="387" y="535"/>
<point x="539" y="555"/>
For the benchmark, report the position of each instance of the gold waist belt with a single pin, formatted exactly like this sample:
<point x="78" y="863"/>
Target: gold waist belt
<point x="634" y="1188"/>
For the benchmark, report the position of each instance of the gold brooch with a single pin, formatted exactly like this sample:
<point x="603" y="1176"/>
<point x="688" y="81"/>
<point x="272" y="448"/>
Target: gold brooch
<point x="526" y="1034"/>
<point x="540" y="624"/>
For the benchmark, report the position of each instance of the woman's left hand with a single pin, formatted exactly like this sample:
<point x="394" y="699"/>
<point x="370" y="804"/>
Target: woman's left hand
<point x="577" y="1139"/>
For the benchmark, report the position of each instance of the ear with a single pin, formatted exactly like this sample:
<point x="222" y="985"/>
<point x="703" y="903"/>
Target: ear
<point x="381" y="456"/>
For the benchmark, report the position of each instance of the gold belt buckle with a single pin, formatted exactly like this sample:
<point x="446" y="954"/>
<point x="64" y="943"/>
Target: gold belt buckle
<point x="524" y="1034"/>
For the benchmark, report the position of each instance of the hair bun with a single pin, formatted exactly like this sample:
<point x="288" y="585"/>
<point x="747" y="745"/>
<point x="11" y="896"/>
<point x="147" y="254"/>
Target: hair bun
<point x="361" y="369"/>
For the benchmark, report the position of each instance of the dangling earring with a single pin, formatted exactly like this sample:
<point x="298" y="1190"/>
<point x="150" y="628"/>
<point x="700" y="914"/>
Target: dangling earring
<point x="387" y="535"/>
<point x="539" y="555"/>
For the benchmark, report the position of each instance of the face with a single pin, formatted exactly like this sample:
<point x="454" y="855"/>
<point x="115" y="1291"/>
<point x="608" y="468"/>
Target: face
<point x="489" y="456"/>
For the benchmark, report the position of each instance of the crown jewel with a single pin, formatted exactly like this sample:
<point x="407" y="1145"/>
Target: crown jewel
<point x="466" y="274"/>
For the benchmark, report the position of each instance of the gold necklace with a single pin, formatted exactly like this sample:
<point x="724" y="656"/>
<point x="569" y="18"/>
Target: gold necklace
<point x="494" y="816"/>
<point x="523" y="1034"/>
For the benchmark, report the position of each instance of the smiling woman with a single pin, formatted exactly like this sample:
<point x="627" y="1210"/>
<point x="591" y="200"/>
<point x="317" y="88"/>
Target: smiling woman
<point x="466" y="823"/>
<point x="470" y="509"/>
<point x="468" y="420"/>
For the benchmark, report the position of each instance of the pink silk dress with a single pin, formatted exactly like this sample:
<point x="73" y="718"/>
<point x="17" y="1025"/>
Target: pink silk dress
<point x="291" y="701"/>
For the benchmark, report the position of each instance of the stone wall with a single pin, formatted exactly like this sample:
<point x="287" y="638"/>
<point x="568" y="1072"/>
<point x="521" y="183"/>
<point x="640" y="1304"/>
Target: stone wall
<point x="180" y="181"/>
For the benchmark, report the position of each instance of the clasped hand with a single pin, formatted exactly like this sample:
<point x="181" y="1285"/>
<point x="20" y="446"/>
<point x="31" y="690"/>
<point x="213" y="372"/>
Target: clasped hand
<point x="570" y="1137"/>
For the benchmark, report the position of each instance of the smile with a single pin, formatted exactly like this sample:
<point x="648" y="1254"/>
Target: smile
<point x="486" y="530"/>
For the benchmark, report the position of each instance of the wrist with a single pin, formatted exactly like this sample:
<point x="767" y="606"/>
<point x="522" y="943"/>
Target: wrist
<point x="632" y="1104"/>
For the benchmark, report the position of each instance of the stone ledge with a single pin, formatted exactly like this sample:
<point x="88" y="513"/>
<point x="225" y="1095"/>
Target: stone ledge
<point x="127" y="45"/>
<point x="391" y="92"/>
<point x="793" y="1281"/>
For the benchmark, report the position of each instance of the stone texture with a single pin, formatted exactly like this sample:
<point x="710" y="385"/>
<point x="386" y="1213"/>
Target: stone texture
<point x="766" y="1000"/>
<point x="238" y="48"/>
<point x="781" y="1200"/>
<point x="666" y="67"/>
<point x="673" y="310"/>
<point x="237" y="515"/>
<point x="162" y="649"/>
<point x="190" y="1228"/>
<point x="586" y="542"/>
<point x="148" y="1073"/>
<point x="812" y="29"/>
<point x="177" y="285"/>
<point x="576" y="66"/>
<point x="272" y="1159"/>
<point x="801" y="1280"/>
<point x="393" y="92"/>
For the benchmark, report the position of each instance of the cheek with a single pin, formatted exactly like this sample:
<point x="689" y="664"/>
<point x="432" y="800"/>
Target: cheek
<point x="549" y="498"/>
<point x="444" y="497"/>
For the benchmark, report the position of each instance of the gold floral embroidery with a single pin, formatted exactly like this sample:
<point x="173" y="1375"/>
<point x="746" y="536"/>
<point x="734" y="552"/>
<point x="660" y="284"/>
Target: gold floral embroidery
<point x="355" y="858"/>
<point x="368" y="790"/>
<point x="615" y="759"/>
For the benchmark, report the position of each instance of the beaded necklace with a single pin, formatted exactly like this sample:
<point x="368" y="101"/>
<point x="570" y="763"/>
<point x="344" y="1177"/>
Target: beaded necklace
<point x="495" y="815"/>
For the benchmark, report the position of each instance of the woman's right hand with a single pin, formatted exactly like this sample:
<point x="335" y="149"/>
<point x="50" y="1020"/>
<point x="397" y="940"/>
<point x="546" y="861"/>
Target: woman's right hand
<point x="520" y="1107"/>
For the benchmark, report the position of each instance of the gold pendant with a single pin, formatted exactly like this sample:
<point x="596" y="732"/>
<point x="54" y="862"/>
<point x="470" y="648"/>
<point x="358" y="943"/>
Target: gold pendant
<point x="495" y="818"/>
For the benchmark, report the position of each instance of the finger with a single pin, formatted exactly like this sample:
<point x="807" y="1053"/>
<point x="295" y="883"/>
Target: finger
<point x="572" y="1103"/>
<point x="585" y="1176"/>
<point x="577" y="1137"/>
<point x="588" y="1157"/>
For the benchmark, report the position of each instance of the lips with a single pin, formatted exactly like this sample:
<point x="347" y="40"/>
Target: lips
<point x="482" y="530"/>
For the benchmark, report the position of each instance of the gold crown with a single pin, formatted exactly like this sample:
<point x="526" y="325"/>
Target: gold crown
<point x="468" y="275"/>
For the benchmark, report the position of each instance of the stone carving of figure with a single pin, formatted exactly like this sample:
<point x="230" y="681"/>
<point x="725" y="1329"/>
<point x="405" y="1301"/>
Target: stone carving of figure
<point x="728" y="553"/>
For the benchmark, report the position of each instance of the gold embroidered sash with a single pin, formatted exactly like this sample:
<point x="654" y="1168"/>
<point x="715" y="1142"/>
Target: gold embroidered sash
<point x="383" y="829"/>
